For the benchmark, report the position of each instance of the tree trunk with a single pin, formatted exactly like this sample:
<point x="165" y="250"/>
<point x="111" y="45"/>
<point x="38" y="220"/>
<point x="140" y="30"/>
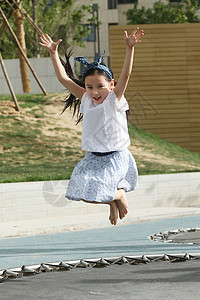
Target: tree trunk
<point x="21" y="37"/>
<point x="37" y="51"/>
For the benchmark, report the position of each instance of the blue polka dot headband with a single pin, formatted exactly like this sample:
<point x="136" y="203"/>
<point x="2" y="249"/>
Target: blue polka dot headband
<point x="95" y="65"/>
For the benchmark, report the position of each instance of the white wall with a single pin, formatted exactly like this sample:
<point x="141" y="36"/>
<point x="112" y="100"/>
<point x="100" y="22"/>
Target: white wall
<point x="41" y="207"/>
<point x="44" y="70"/>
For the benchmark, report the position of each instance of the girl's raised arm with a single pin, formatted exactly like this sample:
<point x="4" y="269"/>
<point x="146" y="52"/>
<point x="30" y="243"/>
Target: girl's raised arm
<point x="130" y="42"/>
<point x="67" y="82"/>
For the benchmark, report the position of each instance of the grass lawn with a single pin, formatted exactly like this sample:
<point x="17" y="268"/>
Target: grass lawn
<point x="38" y="145"/>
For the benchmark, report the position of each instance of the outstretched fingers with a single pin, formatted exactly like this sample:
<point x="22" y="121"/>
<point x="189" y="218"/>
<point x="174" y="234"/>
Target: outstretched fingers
<point x="125" y="34"/>
<point x="137" y="35"/>
<point x="47" y="42"/>
<point x="133" y="38"/>
<point x="135" y="30"/>
<point x="58" y="42"/>
<point x="44" y="40"/>
<point x="48" y="38"/>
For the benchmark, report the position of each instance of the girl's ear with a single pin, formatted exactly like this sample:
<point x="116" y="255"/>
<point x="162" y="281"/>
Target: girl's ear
<point x="112" y="82"/>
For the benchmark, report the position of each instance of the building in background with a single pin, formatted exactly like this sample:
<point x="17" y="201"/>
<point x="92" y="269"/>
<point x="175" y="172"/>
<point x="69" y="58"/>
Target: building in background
<point x="110" y="12"/>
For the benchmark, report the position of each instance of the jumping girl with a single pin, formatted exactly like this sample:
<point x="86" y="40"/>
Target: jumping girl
<point x="108" y="169"/>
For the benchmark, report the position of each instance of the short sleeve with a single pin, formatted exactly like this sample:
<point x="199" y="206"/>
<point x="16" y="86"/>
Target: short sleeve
<point x="81" y="108"/>
<point x="121" y="105"/>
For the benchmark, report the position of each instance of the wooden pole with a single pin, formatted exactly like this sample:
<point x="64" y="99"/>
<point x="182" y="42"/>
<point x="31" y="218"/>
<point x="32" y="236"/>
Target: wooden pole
<point x="27" y="16"/>
<point x="3" y="25"/>
<point x="26" y="84"/>
<point x="22" y="52"/>
<point x="9" y="83"/>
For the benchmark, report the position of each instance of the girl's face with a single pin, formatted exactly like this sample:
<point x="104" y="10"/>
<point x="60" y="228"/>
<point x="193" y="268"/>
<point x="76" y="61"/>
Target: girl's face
<point x="98" y="87"/>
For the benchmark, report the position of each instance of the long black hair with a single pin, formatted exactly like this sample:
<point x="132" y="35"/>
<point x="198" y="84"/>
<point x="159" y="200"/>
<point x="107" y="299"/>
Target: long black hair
<point x="71" y="101"/>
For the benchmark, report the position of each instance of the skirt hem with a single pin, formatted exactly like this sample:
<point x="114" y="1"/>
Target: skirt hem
<point x="81" y="199"/>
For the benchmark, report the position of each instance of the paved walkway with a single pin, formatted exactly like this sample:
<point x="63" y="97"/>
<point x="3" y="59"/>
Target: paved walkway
<point x="97" y="219"/>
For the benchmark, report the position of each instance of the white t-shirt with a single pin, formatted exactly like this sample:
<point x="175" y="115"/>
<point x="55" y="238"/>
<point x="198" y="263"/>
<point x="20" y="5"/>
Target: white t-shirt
<point x="104" y="126"/>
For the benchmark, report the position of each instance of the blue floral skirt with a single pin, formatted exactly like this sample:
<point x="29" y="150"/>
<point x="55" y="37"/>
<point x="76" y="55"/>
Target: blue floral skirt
<point x="97" y="178"/>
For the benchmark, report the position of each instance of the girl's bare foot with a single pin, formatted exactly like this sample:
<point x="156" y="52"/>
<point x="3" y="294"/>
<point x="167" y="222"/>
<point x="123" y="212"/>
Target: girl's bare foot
<point x="113" y="210"/>
<point x="113" y="213"/>
<point x="122" y="204"/>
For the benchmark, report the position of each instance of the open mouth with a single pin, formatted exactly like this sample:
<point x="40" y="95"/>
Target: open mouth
<point x="97" y="99"/>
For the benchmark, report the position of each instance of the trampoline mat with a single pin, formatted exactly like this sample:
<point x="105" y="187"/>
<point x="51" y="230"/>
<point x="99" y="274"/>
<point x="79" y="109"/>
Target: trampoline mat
<point x="157" y="280"/>
<point x="186" y="238"/>
<point x="183" y="236"/>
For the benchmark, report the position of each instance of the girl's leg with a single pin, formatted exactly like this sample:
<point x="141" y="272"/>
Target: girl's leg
<point x="113" y="213"/>
<point x="113" y="210"/>
<point x="122" y="203"/>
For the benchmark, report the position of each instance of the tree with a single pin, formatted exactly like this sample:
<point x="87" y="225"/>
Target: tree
<point x="185" y="11"/>
<point x="59" y="18"/>
<point x="21" y="37"/>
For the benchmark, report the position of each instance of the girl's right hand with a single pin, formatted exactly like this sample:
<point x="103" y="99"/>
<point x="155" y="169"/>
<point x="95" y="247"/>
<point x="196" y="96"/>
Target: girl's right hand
<point x="49" y="44"/>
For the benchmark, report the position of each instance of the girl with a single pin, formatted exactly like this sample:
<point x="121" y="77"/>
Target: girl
<point x="108" y="169"/>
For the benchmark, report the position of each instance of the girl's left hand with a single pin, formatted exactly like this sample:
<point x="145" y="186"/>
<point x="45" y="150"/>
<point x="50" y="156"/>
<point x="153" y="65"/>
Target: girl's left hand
<point x="133" y="38"/>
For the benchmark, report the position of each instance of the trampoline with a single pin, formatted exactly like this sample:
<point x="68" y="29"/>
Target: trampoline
<point x="161" y="270"/>
<point x="190" y="236"/>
